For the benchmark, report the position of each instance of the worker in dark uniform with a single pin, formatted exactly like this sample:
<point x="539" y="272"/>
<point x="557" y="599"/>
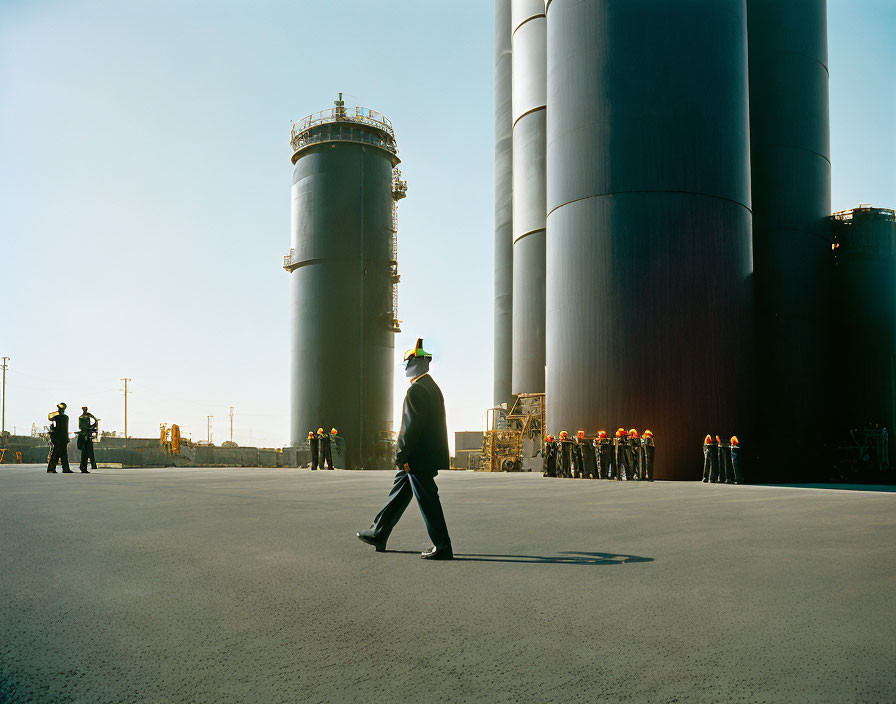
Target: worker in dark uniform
<point x="550" y="457"/>
<point x="326" y="453"/>
<point x="726" y="476"/>
<point x="335" y="439"/>
<point x="422" y="451"/>
<point x="58" y="440"/>
<point x="735" y="461"/>
<point x="633" y="447"/>
<point x="314" y="444"/>
<point x="604" y="455"/>
<point x="87" y="427"/>
<point x="707" y="459"/>
<point x="567" y="450"/>
<point x="619" y="453"/>
<point x="714" y="461"/>
<point x="648" y="450"/>
<point x="586" y="456"/>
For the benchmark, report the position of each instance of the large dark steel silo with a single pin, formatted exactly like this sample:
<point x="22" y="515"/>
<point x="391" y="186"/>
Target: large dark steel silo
<point x="791" y="181"/>
<point x="528" y="57"/>
<point x="503" y="205"/>
<point x="863" y="382"/>
<point x="648" y="225"/>
<point x="343" y="264"/>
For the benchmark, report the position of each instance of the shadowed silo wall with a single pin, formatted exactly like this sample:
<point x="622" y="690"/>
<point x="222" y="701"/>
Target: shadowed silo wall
<point x="342" y="343"/>
<point x="648" y="224"/>
<point x="791" y="178"/>
<point x="529" y="28"/>
<point x="503" y="204"/>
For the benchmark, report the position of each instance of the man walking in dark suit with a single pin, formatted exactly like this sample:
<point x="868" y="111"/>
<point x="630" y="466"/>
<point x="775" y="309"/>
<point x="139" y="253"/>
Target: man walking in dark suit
<point x="422" y="451"/>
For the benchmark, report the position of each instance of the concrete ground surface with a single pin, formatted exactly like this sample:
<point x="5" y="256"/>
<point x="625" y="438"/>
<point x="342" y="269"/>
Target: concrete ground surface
<point x="248" y="585"/>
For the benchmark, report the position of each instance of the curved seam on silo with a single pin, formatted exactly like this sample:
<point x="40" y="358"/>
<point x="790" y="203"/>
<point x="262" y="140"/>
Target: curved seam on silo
<point x="525" y="21"/>
<point x="796" y="53"/>
<point x="790" y="147"/>
<point x="526" y="234"/>
<point x="622" y="193"/>
<point x="529" y="112"/>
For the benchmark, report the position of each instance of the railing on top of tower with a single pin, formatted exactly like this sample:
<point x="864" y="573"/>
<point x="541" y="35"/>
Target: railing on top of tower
<point x="300" y="134"/>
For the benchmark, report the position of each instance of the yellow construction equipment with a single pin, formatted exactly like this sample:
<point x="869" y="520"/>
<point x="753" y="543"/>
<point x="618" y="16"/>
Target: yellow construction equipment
<point x="511" y="437"/>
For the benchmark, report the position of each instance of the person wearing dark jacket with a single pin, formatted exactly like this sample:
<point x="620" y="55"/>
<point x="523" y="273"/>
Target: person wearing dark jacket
<point x="326" y="452"/>
<point x="648" y="452"/>
<point x="422" y="451"/>
<point x="314" y="444"/>
<point x="87" y="429"/>
<point x="58" y="440"/>
<point x="550" y="457"/>
<point x="707" y="458"/>
<point x="587" y="463"/>
<point x="604" y="455"/>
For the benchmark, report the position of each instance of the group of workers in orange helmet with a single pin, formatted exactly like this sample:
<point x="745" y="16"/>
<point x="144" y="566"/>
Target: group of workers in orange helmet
<point x="626" y="456"/>
<point x="321" y="445"/>
<point x="721" y="460"/>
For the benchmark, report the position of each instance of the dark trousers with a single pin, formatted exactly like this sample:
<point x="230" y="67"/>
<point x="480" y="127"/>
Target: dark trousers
<point x="649" y="452"/>
<point x="314" y="459"/>
<point x="707" y="463"/>
<point x="58" y="453"/>
<point x="424" y="488"/>
<point x="88" y="454"/>
<point x="328" y="457"/>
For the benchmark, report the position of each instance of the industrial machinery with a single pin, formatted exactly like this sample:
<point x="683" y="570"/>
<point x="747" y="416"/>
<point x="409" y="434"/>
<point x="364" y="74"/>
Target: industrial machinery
<point x="513" y="439"/>
<point x="863" y="457"/>
<point x="169" y="438"/>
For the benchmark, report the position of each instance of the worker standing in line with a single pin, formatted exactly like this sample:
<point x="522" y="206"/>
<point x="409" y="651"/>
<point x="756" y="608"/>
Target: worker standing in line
<point x="334" y="445"/>
<point x="707" y="460"/>
<point x="633" y="445"/>
<point x="422" y="451"/>
<point x="605" y="455"/>
<point x="566" y="453"/>
<point x="87" y="427"/>
<point x="588" y="467"/>
<point x="735" y="460"/>
<point x="714" y="460"/>
<point x="326" y="455"/>
<point x="550" y="457"/>
<point x="726" y="476"/>
<point x="314" y="444"/>
<point x="648" y="450"/>
<point x="58" y="440"/>
<point x="620" y="460"/>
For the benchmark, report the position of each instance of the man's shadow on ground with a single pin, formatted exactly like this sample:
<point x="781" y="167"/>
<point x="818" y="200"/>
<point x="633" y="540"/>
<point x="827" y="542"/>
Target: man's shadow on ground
<point x="564" y="558"/>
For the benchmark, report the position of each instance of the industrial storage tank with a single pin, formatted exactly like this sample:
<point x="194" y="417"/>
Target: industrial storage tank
<point x="862" y="386"/>
<point x="791" y="192"/>
<point x="648" y="222"/>
<point x="343" y="269"/>
<point x="503" y="205"/>
<point x="529" y="124"/>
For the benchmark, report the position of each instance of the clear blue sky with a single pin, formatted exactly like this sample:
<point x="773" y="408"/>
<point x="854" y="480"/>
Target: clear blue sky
<point x="144" y="191"/>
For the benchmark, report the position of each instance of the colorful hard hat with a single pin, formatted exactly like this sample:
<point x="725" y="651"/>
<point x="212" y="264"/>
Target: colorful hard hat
<point x="580" y="433"/>
<point x="648" y="434"/>
<point x="418" y="351"/>
<point x="61" y="406"/>
<point x="549" y="438"/>
<point x="707" y="440"/>
<point x="332" y="431"/>
<point x="633" y="433"/>
<point x="734" y="440"/>
<point x="320" y="431"/>
<point x="718" y="439"/>
<point x="310" y="433"/>
<point x="620" y="432"/>
<point x="563" y="435"/>
<point x="601" y="434"/>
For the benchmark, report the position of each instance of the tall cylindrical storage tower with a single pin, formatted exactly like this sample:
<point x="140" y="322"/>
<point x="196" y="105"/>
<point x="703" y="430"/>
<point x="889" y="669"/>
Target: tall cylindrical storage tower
<point x="343" y="269"/>
<point x="503" y="205"/>
<point x="528" y="56"/>
<point x="648" y="221"/>
<point x="791" y="175"/>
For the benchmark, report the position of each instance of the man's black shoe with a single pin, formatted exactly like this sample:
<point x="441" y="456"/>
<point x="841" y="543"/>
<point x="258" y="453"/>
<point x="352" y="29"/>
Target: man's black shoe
<point x="67" y="471"/>
<point x="366" y="536"/>
<point x="435" y="553"/>
<point x="84" y="471"/>
<point x="51" y="471"/>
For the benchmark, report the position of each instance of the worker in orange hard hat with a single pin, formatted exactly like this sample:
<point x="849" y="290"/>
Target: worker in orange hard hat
<point x="565" y="456"/>
<point x="714" y="461"/>
<point x="707" y="458"/>
<point x="620" y="460"/>
<point x="726" y="473"/>
<point x="604" y="455"/>
<point x="549" y="457"/>
<point x="326" y="449"/>
<point x="314" y="444"/>
<point x="586" y="456"/>
<point x="633" y="451"/>
<point x="648" y="450"/>
<point x="335" y="441"/>
<point x="735" y="460"/>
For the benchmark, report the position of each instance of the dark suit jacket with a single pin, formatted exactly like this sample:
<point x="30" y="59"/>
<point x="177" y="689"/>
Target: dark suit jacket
<point x="423" y="438"/>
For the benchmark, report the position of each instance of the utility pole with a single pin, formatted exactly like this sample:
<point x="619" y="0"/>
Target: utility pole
<point x="125" y="379"/>
<point x="3" y="425"/>
<point x="208" y="433"/>
<point x="231" y="424"/>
